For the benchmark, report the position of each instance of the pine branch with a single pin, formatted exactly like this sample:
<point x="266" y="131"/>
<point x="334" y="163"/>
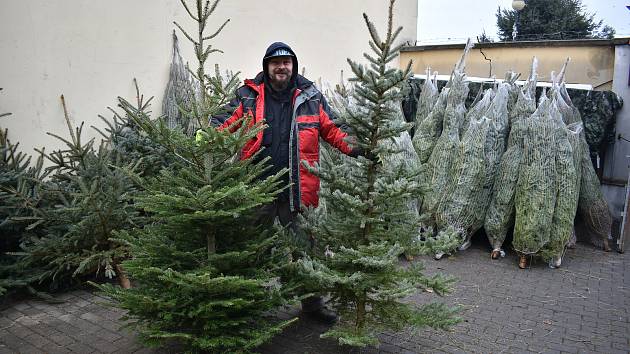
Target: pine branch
<point x="217" y="31"/>
<point x="65" y="114"/>
<point x="183" y="2"/>
<point x="186" y="33"/>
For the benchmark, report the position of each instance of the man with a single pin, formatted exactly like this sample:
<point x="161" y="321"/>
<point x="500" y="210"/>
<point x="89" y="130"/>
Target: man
<point x="297" y="115"/>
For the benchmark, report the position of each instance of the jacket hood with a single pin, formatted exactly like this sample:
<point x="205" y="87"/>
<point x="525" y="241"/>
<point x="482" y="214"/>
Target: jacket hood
<point x="272" y="48"/>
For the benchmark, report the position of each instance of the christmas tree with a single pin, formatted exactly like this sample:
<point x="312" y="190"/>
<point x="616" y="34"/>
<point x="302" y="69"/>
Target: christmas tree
<point x="130" y="142"/>
<point x="15" y="174"/>
<point x="74" y="213"/>
<point x="367" y="218"/>
<point x="19" y="192"/>
<point x="204" y="272"/>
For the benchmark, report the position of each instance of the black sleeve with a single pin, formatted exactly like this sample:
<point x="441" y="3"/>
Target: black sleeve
<point x="225" y="112"/>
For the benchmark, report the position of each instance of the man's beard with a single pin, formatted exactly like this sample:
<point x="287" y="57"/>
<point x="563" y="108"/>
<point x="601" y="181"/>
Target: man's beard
<point x="280" y="85"/>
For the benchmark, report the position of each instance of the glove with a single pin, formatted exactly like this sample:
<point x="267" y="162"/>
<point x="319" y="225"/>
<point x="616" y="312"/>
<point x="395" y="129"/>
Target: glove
<point x="357" y="151"/>
<point x="200" y="136"/>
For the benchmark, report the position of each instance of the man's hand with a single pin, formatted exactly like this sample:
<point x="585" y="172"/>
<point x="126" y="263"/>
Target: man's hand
<point x="200" y="136"/>
<point x="357" y="151"/>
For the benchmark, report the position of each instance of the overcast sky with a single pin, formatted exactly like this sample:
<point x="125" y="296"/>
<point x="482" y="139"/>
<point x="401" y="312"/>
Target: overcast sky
<point x="455" y="20"/>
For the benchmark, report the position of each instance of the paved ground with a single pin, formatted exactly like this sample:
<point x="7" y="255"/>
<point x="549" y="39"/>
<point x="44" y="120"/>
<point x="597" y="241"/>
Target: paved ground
<point x="583" y="307"/>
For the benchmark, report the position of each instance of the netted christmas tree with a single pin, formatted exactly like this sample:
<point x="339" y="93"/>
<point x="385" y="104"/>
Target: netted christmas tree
<point x="367" y="218"/>
<point x="204" y="272"/>
<point x="180" y="94"/>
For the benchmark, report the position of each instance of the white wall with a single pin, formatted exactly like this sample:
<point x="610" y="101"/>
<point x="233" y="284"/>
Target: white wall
<point x="91" y="50"/>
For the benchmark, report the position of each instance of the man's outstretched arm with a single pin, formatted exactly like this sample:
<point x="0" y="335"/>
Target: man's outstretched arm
<point x="332" y="133"/>
<point x="231" y="112"/>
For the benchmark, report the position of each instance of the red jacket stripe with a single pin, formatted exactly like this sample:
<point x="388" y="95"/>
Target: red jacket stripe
<point x="331" y="133"/>
<point x="229" y="123"/>
<point x="307" y="119"/>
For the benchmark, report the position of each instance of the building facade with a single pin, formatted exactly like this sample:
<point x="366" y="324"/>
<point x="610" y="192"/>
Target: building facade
<point x="90" y="51"/>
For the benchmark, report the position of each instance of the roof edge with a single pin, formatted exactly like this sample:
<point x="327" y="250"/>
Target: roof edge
<point x="525" y="44"/>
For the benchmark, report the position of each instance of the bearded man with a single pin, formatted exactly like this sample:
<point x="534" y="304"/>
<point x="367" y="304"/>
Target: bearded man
<point x="297" y="115"/>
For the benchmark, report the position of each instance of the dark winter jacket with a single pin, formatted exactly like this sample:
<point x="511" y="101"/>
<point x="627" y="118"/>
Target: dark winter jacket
<point x="310" y="119"/>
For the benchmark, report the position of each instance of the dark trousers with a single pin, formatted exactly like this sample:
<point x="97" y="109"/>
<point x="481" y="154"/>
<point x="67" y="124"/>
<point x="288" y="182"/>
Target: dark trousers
<point x="281" y="210"/>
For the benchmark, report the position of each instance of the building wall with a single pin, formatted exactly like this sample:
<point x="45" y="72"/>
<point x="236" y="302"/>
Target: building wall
<point x="91" y="50"/>
<point x="588" y="65"/>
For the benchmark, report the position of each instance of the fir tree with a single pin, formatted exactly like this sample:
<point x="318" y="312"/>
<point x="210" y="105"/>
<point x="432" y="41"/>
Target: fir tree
<point x="18" y="183"/>
<point x="359" y="236"/>
<point x="87" y="197"/>
<point x="551" y="19"/>
<point x="15" y="174"/>
<point x="214" y="90"/>
<point x="179" y="95"/>
<point x="13" y="164"/>
<point x="203" y="270"/>
<point x="130" y="142"/>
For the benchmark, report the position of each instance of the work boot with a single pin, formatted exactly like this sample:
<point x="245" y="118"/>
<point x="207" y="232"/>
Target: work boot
<point x="522" y="262"/>
<point x="497" y="253"/>
<point x="555" y="262"/>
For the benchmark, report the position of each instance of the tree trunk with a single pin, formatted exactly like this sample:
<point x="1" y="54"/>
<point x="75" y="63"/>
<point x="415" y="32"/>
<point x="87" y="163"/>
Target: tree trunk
<point x="360" y="321"/>
<point x="123" y="280"/>
<point x="212" y="242"/>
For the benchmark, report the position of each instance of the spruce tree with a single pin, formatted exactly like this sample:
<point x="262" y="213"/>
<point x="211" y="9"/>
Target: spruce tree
<point x="19" y="192"/>
<point x="75" y="212"/>
<point x="14" y="171"/>
<point x="359" y="236"/>
<point x="130" y="142"/>
<point x="204" y="272"/>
